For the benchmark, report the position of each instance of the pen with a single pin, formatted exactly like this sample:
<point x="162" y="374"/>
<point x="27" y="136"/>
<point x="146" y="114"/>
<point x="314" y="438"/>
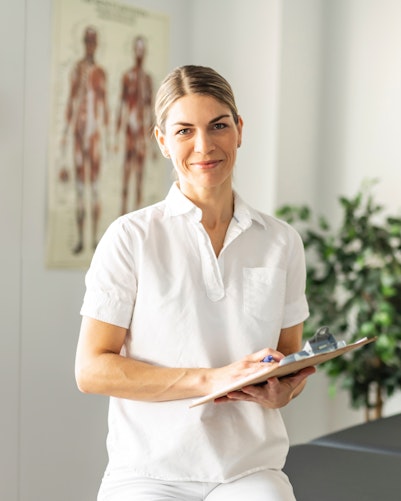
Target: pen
<point x="269" y="358"/>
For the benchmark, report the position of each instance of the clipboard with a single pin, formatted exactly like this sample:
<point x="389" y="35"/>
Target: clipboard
<point x="284" y="369"/>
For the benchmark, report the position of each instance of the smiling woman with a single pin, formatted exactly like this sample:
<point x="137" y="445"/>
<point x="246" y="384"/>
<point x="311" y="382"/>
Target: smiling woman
<point x="180" y="300"/>
<point x="201" y="138"/>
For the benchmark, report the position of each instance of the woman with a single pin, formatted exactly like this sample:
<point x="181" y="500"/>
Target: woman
<point x="186" y="296"/>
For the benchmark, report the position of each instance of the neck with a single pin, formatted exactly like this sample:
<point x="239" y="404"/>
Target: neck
<point x="217" y="204"/>
<point x="217" y="214"/>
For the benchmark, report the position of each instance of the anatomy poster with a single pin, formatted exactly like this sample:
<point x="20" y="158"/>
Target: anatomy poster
<point x="108" y="59"/>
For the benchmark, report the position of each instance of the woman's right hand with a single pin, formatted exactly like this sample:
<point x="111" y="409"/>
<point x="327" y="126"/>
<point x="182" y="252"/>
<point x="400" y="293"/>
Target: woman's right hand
<point x="242" y="368"/>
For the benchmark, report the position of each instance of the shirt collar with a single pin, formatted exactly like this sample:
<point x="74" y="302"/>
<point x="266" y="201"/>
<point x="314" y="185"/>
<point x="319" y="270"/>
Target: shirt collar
<point x="178" y="204"/>
<point x="244" y="214"/>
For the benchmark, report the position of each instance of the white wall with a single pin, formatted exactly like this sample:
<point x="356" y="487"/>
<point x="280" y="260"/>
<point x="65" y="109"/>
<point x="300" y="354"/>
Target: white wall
<point x="241" y="41"/>
<point x="361" y="112"/>
<point x="300" y="97"/>
<point x="300" y="90"/>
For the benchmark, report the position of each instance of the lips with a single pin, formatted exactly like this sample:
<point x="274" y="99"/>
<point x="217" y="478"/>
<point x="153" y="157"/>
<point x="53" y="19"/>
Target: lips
<point x="206" y="164"/>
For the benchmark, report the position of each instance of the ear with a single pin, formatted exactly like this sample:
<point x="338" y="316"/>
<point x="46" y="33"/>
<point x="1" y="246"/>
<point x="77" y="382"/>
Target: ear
<point x="239" y="128"/>
<point x="161" y="141"/>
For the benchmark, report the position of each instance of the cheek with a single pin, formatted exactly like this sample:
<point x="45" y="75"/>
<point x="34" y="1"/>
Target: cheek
<point x="178" y="153"/>
<point x="232" y="153"/>
<point x="176" y="160"/>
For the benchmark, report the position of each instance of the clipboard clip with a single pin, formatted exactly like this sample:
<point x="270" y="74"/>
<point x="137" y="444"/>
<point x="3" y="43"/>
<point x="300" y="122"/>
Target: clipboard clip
<point x="322" y="341"/>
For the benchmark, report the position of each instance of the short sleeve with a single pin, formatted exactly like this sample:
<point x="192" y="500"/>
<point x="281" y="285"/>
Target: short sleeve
<point x="111" y="280"/>
<point x="296" y="305"/>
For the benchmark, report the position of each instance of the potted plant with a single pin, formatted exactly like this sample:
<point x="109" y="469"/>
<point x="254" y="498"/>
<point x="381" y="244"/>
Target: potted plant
<point x="354" y="287"/>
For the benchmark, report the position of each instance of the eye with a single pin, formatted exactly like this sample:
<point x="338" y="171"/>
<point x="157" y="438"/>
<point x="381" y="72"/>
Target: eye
<point x="183" y="132"/>
<point x="219" y="126"/>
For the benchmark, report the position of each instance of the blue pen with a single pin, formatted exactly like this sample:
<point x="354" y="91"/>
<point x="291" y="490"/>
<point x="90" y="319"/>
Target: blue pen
<point x="269" y="358"/>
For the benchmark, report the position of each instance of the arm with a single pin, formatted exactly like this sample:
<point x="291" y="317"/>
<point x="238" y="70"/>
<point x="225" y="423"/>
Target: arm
<point x="74" y="86"/>
<point x="120" y="111"/>
<point x="63" y="171"/>
<point x="290" y="341"/>
<point x="102" y="107"/>
<point x="103" y="98"/>
<point x="100" y="369"/>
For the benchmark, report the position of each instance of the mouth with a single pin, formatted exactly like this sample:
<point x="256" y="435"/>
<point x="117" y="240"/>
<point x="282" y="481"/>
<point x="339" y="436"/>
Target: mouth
<point x="206" y="164"/>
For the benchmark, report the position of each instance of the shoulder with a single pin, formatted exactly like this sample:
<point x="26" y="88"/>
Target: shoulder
<point x="287" y="230"/>
<point x="136" y="223"/>
<point x="101" y="71"/>
<point x="277" y="230"/>
<point x="128" y="234"/>
<point x="128" y="75"/>
<point x="266" y="222"/>
<point x="278" y="224"/>
<point x="77" y="68"/>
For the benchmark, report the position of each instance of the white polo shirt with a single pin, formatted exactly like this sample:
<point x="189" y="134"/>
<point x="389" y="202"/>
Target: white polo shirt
<point x="155" y="273"/>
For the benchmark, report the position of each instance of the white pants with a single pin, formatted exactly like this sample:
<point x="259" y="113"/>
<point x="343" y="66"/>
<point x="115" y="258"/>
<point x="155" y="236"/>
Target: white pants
<point x="267" y="485"/>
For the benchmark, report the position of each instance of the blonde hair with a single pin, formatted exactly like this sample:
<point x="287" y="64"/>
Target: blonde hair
<point x="191" y="79"/>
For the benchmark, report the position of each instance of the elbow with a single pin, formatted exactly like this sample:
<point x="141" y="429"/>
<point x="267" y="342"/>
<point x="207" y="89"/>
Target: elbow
<point x="83" y="380"/>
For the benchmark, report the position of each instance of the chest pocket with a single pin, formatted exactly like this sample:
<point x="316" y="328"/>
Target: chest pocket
<point x="264" y="292"/>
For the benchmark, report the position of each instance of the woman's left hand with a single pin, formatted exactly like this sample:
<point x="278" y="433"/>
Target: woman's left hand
<point x="276" y="393"/>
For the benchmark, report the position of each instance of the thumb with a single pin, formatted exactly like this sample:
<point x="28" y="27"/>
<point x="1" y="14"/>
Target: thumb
<point x="266" y="355"/>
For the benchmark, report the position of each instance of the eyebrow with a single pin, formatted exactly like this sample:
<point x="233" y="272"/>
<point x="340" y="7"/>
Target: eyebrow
<point x="213" y="121"/>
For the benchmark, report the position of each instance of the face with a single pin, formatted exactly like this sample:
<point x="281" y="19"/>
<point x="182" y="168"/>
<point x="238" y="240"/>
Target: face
<point x="139" y="49"/>
<point x="201" y="138"/>
<point x="90" y="41"/>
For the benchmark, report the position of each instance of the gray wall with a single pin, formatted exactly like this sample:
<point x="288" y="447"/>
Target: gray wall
<point x="11" y="157"/>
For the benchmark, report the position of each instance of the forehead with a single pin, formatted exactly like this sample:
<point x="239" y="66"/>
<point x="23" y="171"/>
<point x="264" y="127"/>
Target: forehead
<point x="90" y="37"/>
<point x="139" y="44"/>
<point x="196" y="108"/>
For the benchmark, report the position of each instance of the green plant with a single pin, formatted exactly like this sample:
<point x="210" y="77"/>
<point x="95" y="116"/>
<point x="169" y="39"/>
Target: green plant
<point x="354" y="287"/>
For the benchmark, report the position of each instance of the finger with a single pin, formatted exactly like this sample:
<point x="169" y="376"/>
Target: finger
<point x="262" y="354"/>
<point x="303" y="373"/>
<point x="221" y="400"/>
<point x="297" y="378"/>
<point x="253" y="391"/>
<point x="232" y="395"/>
<point x="235" y="395"/>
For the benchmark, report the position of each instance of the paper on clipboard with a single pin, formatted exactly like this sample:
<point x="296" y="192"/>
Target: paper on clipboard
<point x="280" y="371"/>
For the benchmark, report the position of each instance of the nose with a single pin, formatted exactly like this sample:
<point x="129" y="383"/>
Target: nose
<point x="203" y="142"/>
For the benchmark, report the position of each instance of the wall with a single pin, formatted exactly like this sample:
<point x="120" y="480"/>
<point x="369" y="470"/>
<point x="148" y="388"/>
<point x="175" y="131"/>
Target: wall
<point x="360" y="116"/>
<point x="244" y="47"/>
<point x="11" y="205"/>
<point x="361" y="113"/>
<point x="297" y="172"/>
<point x="339" y="123"/>
<point x="300" y="100"/>
<point x="52" y="437"/>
